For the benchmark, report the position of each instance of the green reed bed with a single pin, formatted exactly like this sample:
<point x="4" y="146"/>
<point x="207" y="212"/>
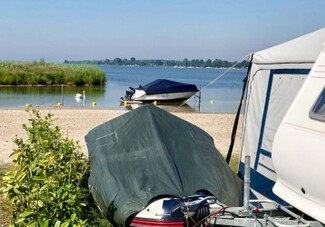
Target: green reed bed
<point x="42" y="73"/>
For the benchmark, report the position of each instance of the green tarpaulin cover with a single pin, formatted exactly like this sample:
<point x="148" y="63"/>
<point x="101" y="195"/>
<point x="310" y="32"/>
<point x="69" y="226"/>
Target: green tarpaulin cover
<point x="149" y="152"/>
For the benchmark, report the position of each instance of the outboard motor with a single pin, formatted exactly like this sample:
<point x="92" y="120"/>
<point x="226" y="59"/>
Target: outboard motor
<point x="128" y="94"/>
<point x="174" y="212"/>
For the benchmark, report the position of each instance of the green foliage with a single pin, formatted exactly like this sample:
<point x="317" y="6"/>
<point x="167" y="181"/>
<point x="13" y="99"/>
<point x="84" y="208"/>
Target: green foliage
<point x="5" y="211"/>
<point x="47" y="185"/>
<point x="42" y="73"/>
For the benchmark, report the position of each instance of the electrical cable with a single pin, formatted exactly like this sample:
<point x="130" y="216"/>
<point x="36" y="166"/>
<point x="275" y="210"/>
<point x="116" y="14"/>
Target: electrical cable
<point x="218" y="77"/>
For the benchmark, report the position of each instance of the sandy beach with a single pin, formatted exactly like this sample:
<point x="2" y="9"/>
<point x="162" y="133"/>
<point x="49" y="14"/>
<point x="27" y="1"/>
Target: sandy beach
<point x="75" y="123"/>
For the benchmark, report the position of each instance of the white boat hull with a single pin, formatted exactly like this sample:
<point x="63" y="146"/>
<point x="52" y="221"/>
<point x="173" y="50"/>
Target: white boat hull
<point x="141" y="96"/>
<point x="164" y="97"/>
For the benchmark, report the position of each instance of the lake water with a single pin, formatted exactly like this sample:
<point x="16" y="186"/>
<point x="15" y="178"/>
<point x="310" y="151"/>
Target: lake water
<point x="221" y="95"/>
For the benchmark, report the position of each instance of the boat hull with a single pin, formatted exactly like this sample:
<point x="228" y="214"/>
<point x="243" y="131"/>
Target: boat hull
<point x="171" y="211"/>
<point x="166" y="97"/>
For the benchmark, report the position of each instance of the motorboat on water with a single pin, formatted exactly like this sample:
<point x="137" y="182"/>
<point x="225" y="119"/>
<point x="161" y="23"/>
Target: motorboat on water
<point x="160" y="90"/>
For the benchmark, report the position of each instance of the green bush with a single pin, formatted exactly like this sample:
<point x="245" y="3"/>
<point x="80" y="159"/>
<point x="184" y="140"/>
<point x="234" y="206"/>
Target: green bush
<point x="47" y="185"/>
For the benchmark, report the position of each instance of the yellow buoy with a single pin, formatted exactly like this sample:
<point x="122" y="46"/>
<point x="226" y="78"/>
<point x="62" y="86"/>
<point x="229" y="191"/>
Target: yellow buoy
<point x="93" y="103"/>
<point x="59" y="104"/>
<point x="125" y="103"/>
<point x="155" y="103"/>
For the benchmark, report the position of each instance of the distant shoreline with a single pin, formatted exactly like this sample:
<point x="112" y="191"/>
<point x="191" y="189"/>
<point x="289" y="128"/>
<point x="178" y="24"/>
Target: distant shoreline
<point x="195" y="63"/>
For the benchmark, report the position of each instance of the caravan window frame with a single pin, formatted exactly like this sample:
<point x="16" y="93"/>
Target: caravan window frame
<point x="317" y="111"/>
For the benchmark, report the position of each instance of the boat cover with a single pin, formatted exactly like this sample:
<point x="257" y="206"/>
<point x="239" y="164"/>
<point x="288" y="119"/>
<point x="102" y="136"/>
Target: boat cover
<point x="149" y="152"/>
<point x="167" y="86"/>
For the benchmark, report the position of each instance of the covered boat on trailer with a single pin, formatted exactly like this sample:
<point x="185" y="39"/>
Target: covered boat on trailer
<point x="147" y="165"/>
<point x="160" y="90"/>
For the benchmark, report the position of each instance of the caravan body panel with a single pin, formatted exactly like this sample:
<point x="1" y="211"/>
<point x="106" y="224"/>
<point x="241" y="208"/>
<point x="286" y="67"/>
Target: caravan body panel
<point x="299" y="148"/>
<point x="274" y="80"/>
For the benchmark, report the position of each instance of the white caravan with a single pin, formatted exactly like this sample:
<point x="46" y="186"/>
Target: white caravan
<point x="274" y="79"/>
<point x="298" y="151"/>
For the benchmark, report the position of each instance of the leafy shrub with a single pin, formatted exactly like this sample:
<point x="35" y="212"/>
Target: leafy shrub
<point x="47" y="186"/>
<point x="5" y="212"/>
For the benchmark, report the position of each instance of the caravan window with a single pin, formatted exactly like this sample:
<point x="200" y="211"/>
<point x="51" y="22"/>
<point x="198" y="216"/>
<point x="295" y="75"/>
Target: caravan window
<point x="318" y="110"/>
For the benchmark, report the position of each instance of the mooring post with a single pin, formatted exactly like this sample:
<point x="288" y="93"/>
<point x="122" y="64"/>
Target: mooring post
<point x="62" y="95"/>
<point x="200" y="100"/>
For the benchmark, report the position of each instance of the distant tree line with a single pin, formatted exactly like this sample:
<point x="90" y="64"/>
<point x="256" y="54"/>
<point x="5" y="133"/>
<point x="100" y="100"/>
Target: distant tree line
<point x="217" y="63"/>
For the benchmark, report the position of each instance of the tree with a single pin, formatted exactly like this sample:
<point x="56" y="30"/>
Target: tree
<point x="133" y="61"/>
<point x="125" y="61"/>
<point x="158" y="62"/>
<point x="201" y="63"/>
<point x="208" y="63"/>
<point x="217" y="63"/>
<point x="117" y="61"/>
<point x="171" y="63"/>
<point x="194" y="63"/>
<point x="186" y="62"/>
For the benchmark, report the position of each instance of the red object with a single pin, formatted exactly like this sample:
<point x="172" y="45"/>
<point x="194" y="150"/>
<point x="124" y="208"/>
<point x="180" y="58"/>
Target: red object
<point x="256" y="210"/>
<point x="136" y="222"/>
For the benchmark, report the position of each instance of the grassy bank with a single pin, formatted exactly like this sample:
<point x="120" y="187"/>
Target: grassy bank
<point x="42" y="73"/>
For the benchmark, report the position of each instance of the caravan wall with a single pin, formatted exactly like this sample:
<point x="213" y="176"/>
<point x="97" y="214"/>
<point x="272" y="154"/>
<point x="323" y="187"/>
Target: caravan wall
<point x="275" y="78"/>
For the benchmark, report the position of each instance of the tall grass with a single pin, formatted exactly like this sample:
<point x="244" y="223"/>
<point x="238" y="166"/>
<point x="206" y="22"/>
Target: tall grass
<point x="42" y="73"/>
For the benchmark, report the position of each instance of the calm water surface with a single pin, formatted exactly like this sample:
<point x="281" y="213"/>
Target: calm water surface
<point x="220" y="96"/>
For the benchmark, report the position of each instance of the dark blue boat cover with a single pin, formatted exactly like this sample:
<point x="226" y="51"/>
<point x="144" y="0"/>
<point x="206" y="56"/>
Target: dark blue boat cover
<point x="168" y="86"/>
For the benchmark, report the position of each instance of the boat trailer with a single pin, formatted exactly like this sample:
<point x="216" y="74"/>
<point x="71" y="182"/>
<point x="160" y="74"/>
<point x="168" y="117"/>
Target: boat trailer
<point x="251" y="215"/>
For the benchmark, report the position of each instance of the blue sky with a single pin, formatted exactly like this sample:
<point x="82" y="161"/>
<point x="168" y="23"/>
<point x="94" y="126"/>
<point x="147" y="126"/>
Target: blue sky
<point x="151" y="29"/>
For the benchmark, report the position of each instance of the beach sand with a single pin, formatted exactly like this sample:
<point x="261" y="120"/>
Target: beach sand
<point x="76" y="123"/>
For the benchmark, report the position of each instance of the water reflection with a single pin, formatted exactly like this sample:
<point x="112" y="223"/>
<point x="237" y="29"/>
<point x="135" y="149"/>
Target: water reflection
<point x="49" y="96"/>
<point x="170" y="107"/>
